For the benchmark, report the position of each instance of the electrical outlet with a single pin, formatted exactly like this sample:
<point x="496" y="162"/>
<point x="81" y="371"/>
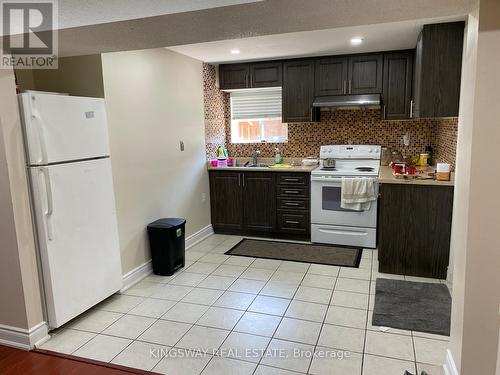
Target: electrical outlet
<point x="203" y="197"/>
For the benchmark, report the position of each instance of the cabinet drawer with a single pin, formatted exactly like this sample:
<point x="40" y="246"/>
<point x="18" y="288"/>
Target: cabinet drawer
<point x="294" y="179"/>
<point x="295" y="204"/>
<point x="293" y="191"/>
<point x="293" y="222"/>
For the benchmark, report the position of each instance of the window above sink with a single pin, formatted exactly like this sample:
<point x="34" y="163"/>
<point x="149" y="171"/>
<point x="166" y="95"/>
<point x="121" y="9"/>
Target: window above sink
<point x="256" y="116"/>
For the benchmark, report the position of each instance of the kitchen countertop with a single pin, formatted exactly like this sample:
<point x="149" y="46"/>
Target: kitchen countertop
<point x="268" y="161"/>
<point x="385" y="177"/>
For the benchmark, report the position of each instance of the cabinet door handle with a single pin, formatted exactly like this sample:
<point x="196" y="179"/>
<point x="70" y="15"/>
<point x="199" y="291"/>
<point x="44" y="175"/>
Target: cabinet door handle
<point x="350" y="86"/>
<point x="239" y="179"/>
<point x="291" y="179"/>
<point x="291" y="222"/>
<point x="411" y="108"/>
<point x="243" y="179"/>
<point x="384" y="115"/>
<point x="291" y="204"/>
<point x="344" y="87"/>
<point x="291" y="192"/>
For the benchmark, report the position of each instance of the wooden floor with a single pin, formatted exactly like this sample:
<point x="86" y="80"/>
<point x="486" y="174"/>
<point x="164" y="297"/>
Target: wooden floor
<point x="17" y="362"/>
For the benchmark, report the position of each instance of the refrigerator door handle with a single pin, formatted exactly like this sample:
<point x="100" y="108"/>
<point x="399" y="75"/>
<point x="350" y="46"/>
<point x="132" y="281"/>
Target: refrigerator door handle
<point x="50" y="203"/>
<point x="39" y="129"/>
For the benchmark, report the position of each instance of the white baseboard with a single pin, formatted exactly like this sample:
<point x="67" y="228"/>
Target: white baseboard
<point x="22" y="338"/>
<point x="199" y="236"/>
<point x="449" y="367"/>
<point x="137" y="274"/>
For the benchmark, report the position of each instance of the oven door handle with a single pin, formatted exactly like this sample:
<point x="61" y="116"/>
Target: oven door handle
<point x="327" y="179"/>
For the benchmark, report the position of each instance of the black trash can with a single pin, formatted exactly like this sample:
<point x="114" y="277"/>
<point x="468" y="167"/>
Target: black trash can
<point x="167" y="244"/>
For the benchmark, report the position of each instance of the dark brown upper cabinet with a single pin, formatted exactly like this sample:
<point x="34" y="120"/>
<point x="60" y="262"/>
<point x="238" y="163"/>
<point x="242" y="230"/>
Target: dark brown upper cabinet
<point x="250" y="75"/>
<point x="266" y="74"/>
<point x="298" y="91"/>
<point x="234" y="76"/>
<point x="365" y="74"/>
<point x="398" y="77"/>
<point x="331" y="76"/>
<point x="438" y="66"/>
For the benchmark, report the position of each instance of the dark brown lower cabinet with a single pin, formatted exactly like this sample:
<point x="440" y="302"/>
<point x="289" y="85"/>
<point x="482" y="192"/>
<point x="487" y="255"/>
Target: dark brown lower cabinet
<point x="266" y="204"/>
<point x="414" y="229"/>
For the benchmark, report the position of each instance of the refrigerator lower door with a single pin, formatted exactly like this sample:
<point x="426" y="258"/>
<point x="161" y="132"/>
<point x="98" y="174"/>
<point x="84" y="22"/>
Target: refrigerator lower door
<point x="78" y="236"/>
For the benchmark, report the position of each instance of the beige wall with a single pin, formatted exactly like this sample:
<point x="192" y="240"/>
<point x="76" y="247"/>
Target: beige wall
<point x="154" y="99"/>
<point x="80" y="76"/>
<point x="476" y="279"/>
<point x="19" y="295"/>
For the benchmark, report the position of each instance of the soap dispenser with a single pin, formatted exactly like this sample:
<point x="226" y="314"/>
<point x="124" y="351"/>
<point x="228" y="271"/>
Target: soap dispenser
<point x="277" y="156"/>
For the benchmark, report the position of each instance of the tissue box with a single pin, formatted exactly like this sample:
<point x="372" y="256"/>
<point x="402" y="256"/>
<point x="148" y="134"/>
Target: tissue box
<point x="443" y="172"/>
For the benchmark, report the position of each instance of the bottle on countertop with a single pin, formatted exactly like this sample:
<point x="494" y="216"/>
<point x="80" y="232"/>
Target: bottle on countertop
<point x="277" y="157"/>
<point x="428" y="150"/>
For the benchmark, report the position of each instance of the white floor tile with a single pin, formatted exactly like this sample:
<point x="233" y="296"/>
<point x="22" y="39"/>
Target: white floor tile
<point x="192" y="255"/>
<point x="298" y="330"/>
<point x="161" y="279"/>
<point x="283" y="354"/>
<point x="431" y="336"/>
<point x="374" y="365"/>
<point x="202" y="296"/>
<point x="279" y="289"/>
<point x="389" y="345"/>
<point x="120" y="303"/>
<point x="203" y="339"/>
<point x="165" y="332"/>
<point x="316" y="295"/>
<point x="143" y="289"/>
<point x="244" y="346"/>
<point x="182" y="362"/>
<point x="141" y="355"/>
<point x="67" y="340"/>
<point x="269" y="305"/>
<point x="266" y="264"/>
<point x="342" y="338"/>
<point x="287" y="277"/>
<point x="94" y="321"/>
<point x="217" y="282"/>
<point x="102" y="348"/>
<point x="353" y="285"/>
<point x="430" y="351"/>
<point x="266" y="370"/>
<point x="172" y="292"/>
<point x="235" y="300"/>
<point x="430" y="369"/>
<point x="214" y="258"/>
<point x="229" y="270"/>
<point x="258" y="324"/>
<point x="355" y="273"/>
<point x="129" y="327"/>
<point x="188" y="279"/>
<point x="307" y="311"/>
<point x="350" y="299"/>
<point x="185" y="312"/>
<point x="334" y="362"/>
<point x="202" y="268"/>
<point x="257" y="274"/>
<point x="347" y="317"/>
<point x="239" y="261"/>
<point x="218" y="317"/>
<point x="247" y="286"/>
<point x="153" y="308"/>
<point x="294" y="266"/>
<point x="323" y="269"/>
<point x="218" y="366"/>
<point x="319" y="281"/>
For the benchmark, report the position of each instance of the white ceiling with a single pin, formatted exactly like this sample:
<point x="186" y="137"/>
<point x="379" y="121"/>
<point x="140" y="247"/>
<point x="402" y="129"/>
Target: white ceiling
<point x="377" y="37"/>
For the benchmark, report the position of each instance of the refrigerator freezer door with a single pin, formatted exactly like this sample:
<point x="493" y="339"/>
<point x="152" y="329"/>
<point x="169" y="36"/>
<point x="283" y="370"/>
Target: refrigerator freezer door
<point x="62" y="128"/>
<point x="78" y="236"/>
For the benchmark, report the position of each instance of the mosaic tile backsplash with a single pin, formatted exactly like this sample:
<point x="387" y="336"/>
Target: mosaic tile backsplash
<point x="362" y="126"/>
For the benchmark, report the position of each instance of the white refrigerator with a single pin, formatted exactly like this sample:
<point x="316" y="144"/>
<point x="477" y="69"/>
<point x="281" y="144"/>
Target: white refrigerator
<point x="67" y="146"/>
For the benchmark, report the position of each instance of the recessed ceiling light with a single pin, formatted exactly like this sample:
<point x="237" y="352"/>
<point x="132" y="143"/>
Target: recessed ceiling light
<point x="235" y="51"/>
<point x="356" y="41"/>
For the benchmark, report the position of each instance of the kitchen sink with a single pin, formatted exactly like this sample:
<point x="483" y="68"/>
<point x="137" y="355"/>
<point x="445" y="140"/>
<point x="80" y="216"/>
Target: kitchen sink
<point x="259" y="165"/>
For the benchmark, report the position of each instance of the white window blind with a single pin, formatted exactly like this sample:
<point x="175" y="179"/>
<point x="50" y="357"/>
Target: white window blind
<point x="256" y="103"/>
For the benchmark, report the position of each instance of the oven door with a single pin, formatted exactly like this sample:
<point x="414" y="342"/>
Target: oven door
<point x="325" y="205"/>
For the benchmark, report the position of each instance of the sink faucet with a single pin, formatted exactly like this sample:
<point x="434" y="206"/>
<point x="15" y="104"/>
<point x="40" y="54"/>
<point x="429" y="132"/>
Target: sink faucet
<point x="255" y="155"/>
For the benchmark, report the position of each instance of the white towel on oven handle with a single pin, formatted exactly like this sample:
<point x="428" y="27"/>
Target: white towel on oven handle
<point x="357" y="193"/>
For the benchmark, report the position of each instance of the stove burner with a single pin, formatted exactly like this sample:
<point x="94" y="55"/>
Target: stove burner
<point x="365" y="169"/>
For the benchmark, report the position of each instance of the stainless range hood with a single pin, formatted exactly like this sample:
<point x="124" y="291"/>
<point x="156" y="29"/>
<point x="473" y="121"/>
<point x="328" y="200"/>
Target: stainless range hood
<point x="348" y="101"/>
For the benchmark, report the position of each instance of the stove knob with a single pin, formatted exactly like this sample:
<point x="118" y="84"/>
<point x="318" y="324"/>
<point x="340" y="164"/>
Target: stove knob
<point x="370" y="150"/>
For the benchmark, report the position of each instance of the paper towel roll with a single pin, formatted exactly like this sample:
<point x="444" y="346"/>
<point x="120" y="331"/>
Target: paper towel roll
<point x="442" y="168"/>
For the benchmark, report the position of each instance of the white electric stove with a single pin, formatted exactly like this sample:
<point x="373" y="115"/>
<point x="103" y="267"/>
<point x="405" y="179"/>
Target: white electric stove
<point x="330" y="223"/>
